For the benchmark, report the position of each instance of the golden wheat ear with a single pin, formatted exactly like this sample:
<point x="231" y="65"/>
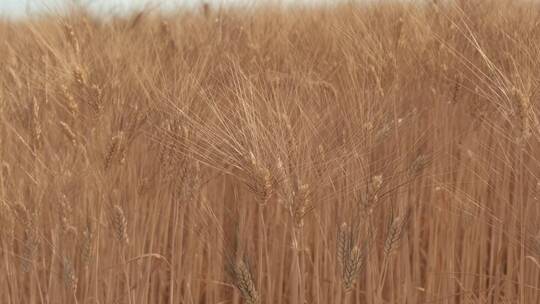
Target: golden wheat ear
<point x="69" y="276"/>
<point x="396" y="229"/>
<point x="242" y="279"/>
<point x="86" y="245"/>
<point x="119" y="225"/>
<point x="350" y="257"/>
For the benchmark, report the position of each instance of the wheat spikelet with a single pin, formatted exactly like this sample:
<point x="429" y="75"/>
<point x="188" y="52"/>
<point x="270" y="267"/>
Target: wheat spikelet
<point x="87" y="243"/>
<point x="72" y="38"/>
<point x="395" y="231"/>
<point x="2" y="101"/>
<point x="352" y="267"/>
<point x="419" y="164"/>
<point x="79" y="80"/>
<point x="285" y="181"/>
<point x="528" y="121"/>
<point x="114" y="147"/>
<point x="383" y="132"/>
<point x="119" y="224"/>
<point x="167" y="161"/>
<point x="7" y="221"/>
<point x="68" y="274"/>
<point x="71" y="104"/>
<point x="350" y="257"/>
<point x="344" y="244"/>
<point x="263" y="182"/>
<point x="30" y="246"/>
<point x="79" y="76"/>
<point x="64" y="214"/>
<point x="15" y="77"/>
<point x="30" y="236"/>
<point x="6" y="169"/>
<point x="376" y="184"/>
<point x="300" y="204"/>
<point x="456" y="89"/>
<point x="190" y="182"/>
<point x="242" y="279"/>
<point x="45" y="62"/>
<point x="68" y="132"/>
<point x="30" y="242"/>
<point x="95" y="99"/>
<point x="36" y="125"/>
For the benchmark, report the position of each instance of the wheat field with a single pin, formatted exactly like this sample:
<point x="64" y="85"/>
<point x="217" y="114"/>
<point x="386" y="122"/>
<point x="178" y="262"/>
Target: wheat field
<point x="376" y="153"/>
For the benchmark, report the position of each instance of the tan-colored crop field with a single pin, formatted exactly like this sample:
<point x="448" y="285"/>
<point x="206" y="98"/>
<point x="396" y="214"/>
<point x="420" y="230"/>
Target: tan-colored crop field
<point x="384" y="153"/>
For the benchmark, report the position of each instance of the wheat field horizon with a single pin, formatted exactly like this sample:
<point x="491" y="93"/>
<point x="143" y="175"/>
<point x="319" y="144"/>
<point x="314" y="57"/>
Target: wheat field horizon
<point x="382" y="153"/>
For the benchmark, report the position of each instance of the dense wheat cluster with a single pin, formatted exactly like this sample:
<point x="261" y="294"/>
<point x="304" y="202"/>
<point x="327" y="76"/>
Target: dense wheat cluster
<point x="379" y="153"/>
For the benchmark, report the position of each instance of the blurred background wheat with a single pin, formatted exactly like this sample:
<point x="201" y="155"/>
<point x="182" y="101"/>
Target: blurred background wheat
<point x="360" y="153"/>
